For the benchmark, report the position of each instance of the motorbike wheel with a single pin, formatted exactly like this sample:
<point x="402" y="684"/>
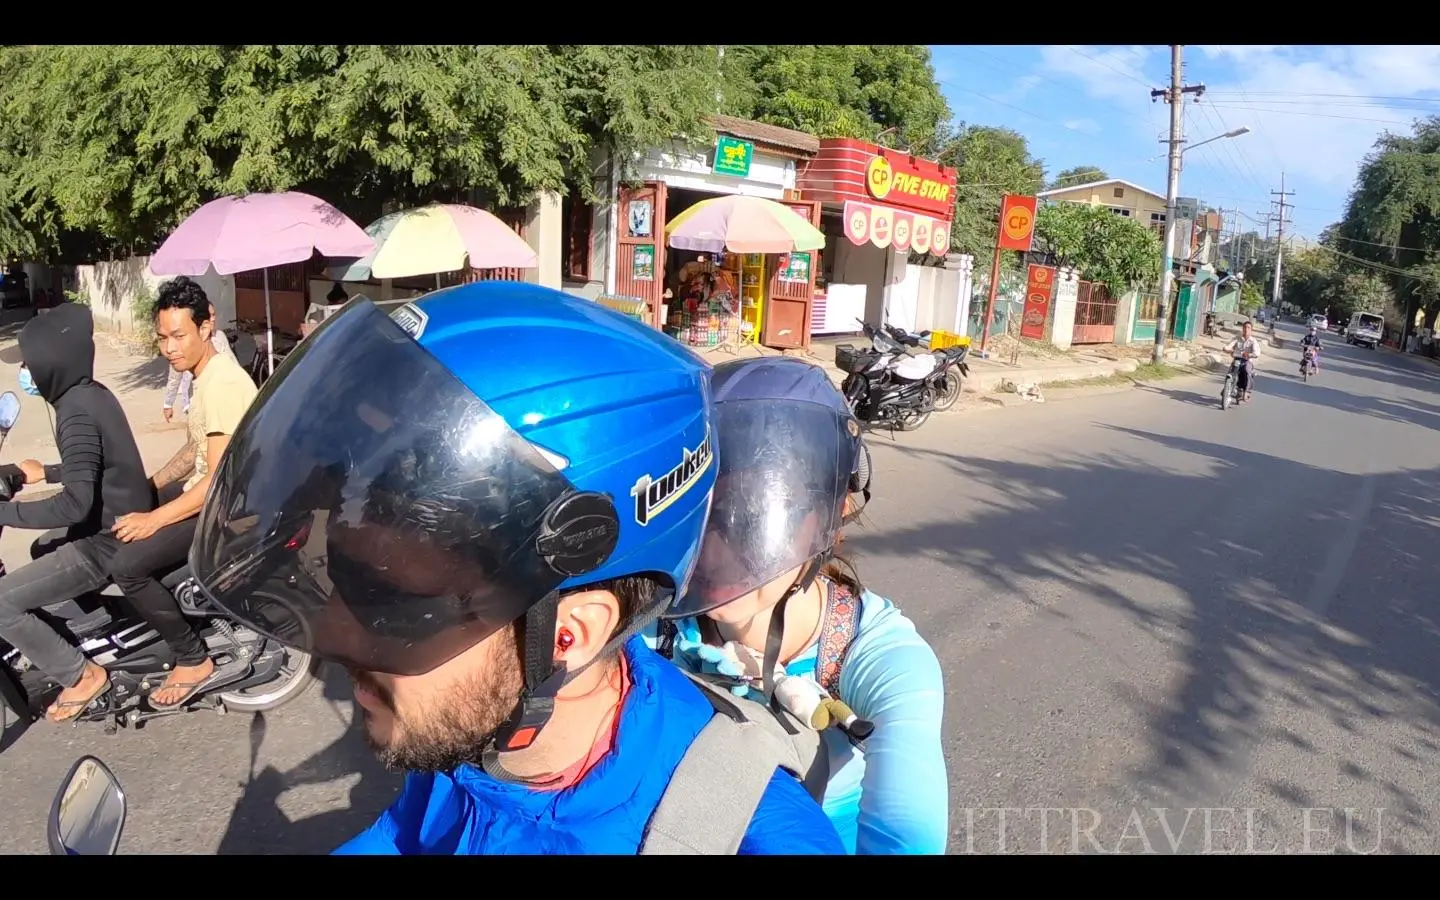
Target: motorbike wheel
<point x="950" y="390"/>
<point x="299" y="672"/>
<point x="911" y="420"/>
<point x="1227" y="392"/>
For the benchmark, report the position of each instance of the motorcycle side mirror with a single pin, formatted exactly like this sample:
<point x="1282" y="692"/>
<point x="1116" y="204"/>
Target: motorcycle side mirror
<point x="9" y="410"/>
<point x="88" y="813"/>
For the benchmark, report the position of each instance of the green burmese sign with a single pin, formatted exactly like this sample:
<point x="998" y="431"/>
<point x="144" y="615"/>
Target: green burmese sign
<point x="732" y="156"/>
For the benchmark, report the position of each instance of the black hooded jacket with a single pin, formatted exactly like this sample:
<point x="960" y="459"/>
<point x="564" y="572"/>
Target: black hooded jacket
<point x="100" y="465"/>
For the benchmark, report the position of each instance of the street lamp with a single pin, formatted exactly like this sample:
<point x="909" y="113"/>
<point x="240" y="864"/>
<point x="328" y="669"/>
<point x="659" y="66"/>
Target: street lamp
<point x="1172" y="192"/>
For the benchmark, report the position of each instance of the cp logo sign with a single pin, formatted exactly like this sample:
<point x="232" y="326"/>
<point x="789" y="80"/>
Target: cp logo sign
<point x="878" y="177"/>
<point x="1017" y="223"/>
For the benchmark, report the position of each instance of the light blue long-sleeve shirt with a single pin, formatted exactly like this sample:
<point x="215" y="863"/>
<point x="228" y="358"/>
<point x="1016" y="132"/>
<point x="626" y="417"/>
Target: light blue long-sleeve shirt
<point x="894" y="797"/>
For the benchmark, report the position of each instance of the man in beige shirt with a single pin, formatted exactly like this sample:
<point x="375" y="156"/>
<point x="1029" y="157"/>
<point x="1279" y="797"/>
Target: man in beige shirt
<point x="181" y="384"/>
<point x="160" y="540"/>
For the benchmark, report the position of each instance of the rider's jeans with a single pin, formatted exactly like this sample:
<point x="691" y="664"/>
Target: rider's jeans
<point x="72" y="569"/>
<point x="134" y="566"/>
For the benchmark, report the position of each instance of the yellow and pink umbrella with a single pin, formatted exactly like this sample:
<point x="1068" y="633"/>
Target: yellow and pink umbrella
<point x="740" y="224"/>
<point x="442" y="237"/>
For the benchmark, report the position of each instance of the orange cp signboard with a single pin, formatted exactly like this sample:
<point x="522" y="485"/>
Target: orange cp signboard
<point x="1017" y="223"/>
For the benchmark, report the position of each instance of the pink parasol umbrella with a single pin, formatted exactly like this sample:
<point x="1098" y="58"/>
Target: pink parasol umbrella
<point x="238" y="234"/>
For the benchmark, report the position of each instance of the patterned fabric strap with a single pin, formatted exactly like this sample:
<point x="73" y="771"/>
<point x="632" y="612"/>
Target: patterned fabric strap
<point x="841" y="623"/>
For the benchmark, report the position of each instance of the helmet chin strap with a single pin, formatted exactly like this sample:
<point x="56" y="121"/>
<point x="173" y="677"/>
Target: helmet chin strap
<point x="774" y="638"/>
<point x="544" y="678"/>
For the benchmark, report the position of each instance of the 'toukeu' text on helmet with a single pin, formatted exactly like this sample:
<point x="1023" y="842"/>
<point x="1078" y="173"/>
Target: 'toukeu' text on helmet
<point x="407" y="485"/>
<point x="790" y="453"/>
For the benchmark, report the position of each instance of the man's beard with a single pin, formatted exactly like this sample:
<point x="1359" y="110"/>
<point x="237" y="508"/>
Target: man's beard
<point x="453" y="729"/>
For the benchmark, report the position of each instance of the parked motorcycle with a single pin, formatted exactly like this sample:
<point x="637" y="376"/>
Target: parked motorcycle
<point x="252" y="673"/>
<point x="87" y="815"/>
<point x="952" y="358"/>
<point x="884" y="385"/>
<point x="1309" y="365"/>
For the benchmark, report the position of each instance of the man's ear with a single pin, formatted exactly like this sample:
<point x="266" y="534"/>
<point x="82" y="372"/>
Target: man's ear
<point x="584" y="622"/>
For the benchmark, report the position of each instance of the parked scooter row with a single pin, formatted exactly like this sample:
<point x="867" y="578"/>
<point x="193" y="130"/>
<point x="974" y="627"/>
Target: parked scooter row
<point x="887" y="385"/>
<point x="253" y="674"/>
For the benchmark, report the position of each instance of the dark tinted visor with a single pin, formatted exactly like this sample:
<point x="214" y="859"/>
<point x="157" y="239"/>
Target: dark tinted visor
<point x="372" y="510"/>
<point x="784" y="473"/>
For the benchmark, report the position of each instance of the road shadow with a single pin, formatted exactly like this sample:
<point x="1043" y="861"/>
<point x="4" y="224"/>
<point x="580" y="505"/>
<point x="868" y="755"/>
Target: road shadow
<point x="147" y="373"/>
<point x="1352" y="636"/>
<point x="258" y="825"/>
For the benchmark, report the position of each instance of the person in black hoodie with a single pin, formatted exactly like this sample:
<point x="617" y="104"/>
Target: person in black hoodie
<point x="103" y="479"/>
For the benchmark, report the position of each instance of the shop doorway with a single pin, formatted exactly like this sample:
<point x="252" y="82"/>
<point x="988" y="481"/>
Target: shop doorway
<point x="711" y="299"/>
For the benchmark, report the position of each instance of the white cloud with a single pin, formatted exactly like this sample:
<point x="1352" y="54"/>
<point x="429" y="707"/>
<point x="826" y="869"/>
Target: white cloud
<point x="1107" y="72"/>
<point x="1022" y="86"/>
<point x="1314" y="111"/>
<point x="1237" y="51"/>
<point x="1088" y="126"/>
<point x="1317" y="111"/>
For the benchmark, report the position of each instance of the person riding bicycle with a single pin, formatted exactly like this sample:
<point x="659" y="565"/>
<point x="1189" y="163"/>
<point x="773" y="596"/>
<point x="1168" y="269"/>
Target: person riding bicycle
<point x="771" y="600"/>
<point x="1246" y="349"/>
<point x="478" y="537"/>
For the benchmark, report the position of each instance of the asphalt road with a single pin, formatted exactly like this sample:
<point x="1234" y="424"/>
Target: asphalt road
<point x="1143" y="605"/>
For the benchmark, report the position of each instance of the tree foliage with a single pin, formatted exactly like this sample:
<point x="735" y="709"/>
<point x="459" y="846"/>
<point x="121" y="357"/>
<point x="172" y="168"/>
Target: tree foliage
<point x="883" y="93"/>
<point x="1076" y="176"/>
<point x="127" y="140"/>
<point x="1114" y="250"/>
<point x="990" y="163"/>
<point x="1392" y="218"/>
<point x="1251" y="298"/>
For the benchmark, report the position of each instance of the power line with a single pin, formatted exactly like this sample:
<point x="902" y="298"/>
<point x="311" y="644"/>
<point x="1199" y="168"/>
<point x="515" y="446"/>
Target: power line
<point x="1313" y="115"/>
<point x="1243" y="92"/>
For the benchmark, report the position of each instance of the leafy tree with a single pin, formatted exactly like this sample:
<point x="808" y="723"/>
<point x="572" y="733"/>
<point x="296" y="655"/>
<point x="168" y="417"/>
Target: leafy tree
<point x="1392" y="217"/>
<point x="1308" y="276"/>
<point x="1251" y="298"/>
<point x="990" y="163"/>
<point x="1352" y="292"/>
<point x="885" y="93"/>
<point x="127" y="140"/>
<point x="1115" y="250"/>
<point x="1076" y="176"/>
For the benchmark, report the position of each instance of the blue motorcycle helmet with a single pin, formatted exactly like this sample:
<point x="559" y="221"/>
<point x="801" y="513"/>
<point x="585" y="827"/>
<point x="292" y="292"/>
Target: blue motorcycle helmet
<point x="498" y="443"/>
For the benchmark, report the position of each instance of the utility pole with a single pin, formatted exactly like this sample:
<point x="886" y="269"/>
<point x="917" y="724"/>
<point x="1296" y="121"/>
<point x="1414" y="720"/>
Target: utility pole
<point x="1175" y="96"/>
<point x="1280" y="235"/>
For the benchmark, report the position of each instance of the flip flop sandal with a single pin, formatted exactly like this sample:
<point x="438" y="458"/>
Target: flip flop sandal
<point x="191" y="688"/>
<point x="78" y="705"/>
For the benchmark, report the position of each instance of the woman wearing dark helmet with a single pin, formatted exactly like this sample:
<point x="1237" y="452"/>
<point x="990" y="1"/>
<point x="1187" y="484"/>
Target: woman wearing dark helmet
<point x="769" y="608"/>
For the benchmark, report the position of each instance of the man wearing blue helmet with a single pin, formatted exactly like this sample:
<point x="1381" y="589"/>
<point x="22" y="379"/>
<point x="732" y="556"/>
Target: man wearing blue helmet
<point x="475" y="506"/>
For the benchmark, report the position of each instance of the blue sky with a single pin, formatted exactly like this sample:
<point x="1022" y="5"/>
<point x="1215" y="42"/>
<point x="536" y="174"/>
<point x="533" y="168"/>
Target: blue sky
<point x="1313" y="111"/>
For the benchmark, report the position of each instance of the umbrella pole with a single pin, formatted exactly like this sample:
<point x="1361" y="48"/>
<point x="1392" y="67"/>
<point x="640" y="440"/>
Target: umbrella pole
<point x="437" y="281"/>
<point x="269" y="328"/>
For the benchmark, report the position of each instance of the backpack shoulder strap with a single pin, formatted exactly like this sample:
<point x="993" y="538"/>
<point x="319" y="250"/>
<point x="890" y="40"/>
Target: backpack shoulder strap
<point x="714" y="792"/>
<point x="841" y="624"/>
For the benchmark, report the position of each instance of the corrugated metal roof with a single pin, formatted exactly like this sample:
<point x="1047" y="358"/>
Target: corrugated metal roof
<point x="771" y="135"/>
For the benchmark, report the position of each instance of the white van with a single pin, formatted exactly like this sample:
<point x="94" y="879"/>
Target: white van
<point x="1365" y="328"/>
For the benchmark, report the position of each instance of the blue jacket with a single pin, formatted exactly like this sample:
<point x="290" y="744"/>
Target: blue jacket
<point x="467" y="812"/>
<point x="894" y="797"/>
